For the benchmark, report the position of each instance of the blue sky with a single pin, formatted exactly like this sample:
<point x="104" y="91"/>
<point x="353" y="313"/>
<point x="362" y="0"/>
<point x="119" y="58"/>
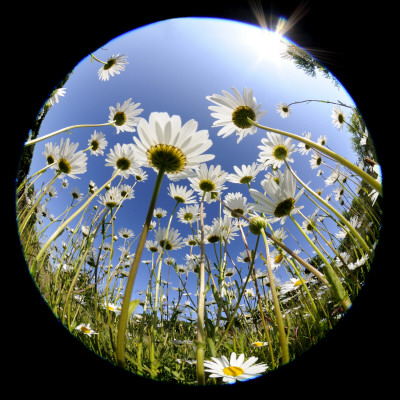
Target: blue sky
<point x="173" y="66"/>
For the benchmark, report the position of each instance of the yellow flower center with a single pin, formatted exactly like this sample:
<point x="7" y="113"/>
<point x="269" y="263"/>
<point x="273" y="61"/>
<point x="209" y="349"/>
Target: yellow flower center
<point x="280" y="152"/>
<point x="166" y="157"/>
<point x="239" y="117"/>
<point x="64" y="166"/>
<point x="257" y="344"/>
<point x="233" y="371"/>
<point x="119" y="118"/>
<point x="284" y="207"/>
<point x="85" y="330"/>
<point x="298" y="283"/>
<point x="278" y="258"/>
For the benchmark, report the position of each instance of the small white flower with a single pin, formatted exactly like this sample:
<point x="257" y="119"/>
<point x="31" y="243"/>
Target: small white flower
<point x="125" y="117"/>
<point x="114" y="65"/>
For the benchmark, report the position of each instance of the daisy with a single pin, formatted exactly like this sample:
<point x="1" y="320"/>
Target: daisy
<point x="338" y="117"/>
<point x="322" y="140"/>
<point x="334" y="176"/>
<point x="86" y="329"/>
<point x="111" y="198"/>
<point x="290" y="286"/>
<point x="50" y="153"/>
<point x="232" y="112"/>
<point x="165" y="145"/>
<point x="209" y="180"/>
<point x="309" y="224"/>
<point x="97" y="143"/>
<point x="152" y="245"/>
<point x="234" y="369"/>
<point x="181" y="194"/>
<point x="189" y="214"/>
<point x="55" y="96"/>
<point x="281" y="198"/>
<point x="126" y="191"/>
<point x="140" y="174"/>
<point x="275" y="150"/>
<point x="69" y="162"/>
<point x="237" y="203"/>
<point x="159" y="212"/>
<point x="243" y="256"/>
<point x="315" y="160"/>
<point x="123" y="158"/>
<point x="125" y="233"/>
<point x="125" y="117"/>
<point x="114" y="65"/>
<point x="170" y="241"/>
<point x="304" y="148"/>
<point x="64" y="183"/>
<point x="259" y="344"/>
<point x="246" y="174"/>
<point x="283" y="109"/>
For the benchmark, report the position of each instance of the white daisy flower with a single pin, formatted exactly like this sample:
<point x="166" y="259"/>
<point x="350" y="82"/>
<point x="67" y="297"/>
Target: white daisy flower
<point x="181" y="194"/>
<point x="125" y="117"/>
<point x="275" y="150"/>
<point x="86" y="329"/>
<point x="234" y="369"/>
<point x="126" y="191"/>
<point x="164" y="144"/>
<point x="123" y="158"/>
<point x="159" y="212"/>
<point x="170" y="241"/>
<point x="304" y="148"/>
<point x="111" y="198"/>
<point x="232" y="112"/>
<point x="69" y="162"/>
<point x="55" y="96"/>
<point x="152" y="245"/>
<point x="237" y="203"/>
<point x="281" y="198"/>
<point x="97" y="143"/>
<point x="125" y="233"/>
<point x="50" y="153"/>
<point x="114" y="65"/>
<point x="189" y="214"/>
<point x="338" y="117"/>
<point x="315" y="160"/>
<point x="283" y="109"/>
<point x="209" y="180"/>
<point x="322" y="140"/>
<point x="246" y="174"/>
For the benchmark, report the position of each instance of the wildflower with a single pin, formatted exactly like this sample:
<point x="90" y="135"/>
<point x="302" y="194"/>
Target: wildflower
<point x="159" y="212"/>
<point x="140" y="175"/>
<point x="243" y="256"/>
<point x="111" y="198"/>
<point x="164" y="144"/>
<point x="125" y="233"/>
<point x="55" y="96"/>
<point x="170" y="241"/>
<point x="338" y="117"/>
<point x="259" y="344"/>
<point x="322" y="140"/>
<point x="125" y="117"/>
<point x="86" y="329"/>
<point x="50" y="153"/>
<point x="276" y="150"/>
<point x="234" y="369"/>
<point x="209" y="181"/>
<point x="237" y="203"/>
<point x="126" y="192"/>
<point x="181" y="194"/>
<point x="334" y="176"/>
<point x="281" y="201"/>
<point x="97" y="143"/>
<point x="308" y="225"/>
<point x="232" y="112"/>
<point x="189" y="214"/>
<point x="152" y="245"/>
<point x="68" y="161"/>
<point x="315" y="160"/>
<point x="290" y="286"/>
<point x="123" y="158"/>
<point x="246" y="174"/>
<point x="112" y="307"/>
<point x="114" y="65"/>
<point x="283" y="109"/>
<point x="304" y="148"/>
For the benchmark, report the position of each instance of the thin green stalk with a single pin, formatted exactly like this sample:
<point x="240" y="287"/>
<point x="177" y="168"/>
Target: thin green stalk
<point x="281" y="329"/>
<point x="333" y="209"/>
<point x="200" y="343"/>
<point x="63" y="225"/>
<point x="367" y="178"/>
<point x="30" y="142"/>
<point x="330" y="274"/>
<point x="123" y="319"/>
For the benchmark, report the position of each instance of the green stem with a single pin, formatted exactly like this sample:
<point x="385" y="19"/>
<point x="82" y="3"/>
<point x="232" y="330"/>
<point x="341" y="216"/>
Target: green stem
<point x="123" y="319"/>
<point x="367" y="178"/>
<point x="30" y="142"/>
<point x="330" y="274"/>
<point x="333" y="209"/>
<point x="201" y="379"/>
<point x="281" y="329"/>
<point x="63" y="225"/>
